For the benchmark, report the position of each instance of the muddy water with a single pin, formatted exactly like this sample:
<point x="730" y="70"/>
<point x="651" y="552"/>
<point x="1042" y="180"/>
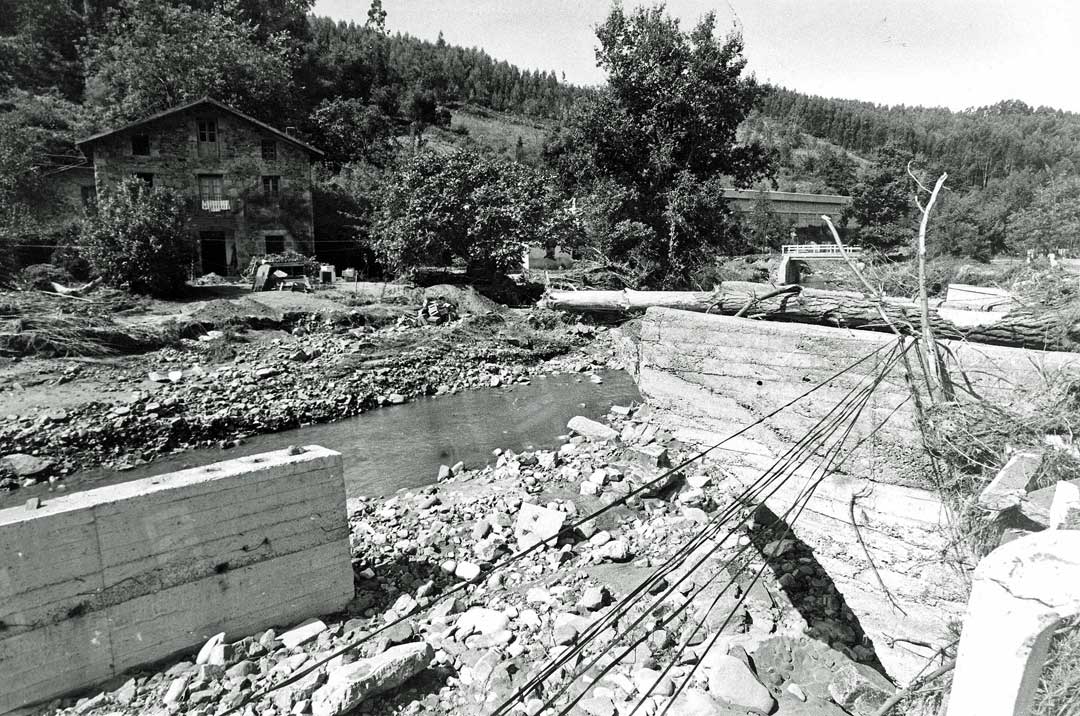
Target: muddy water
<point x="403" y="445"/>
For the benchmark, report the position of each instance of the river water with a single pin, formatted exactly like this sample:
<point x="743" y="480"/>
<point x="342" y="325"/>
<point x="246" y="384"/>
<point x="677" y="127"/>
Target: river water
<point x="403" y="445"/>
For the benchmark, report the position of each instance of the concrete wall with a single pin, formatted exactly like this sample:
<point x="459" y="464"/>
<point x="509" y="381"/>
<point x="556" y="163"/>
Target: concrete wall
<point x="176" y="162"/>
<point x="95" y="583"/>
<point x="712" y="375"/>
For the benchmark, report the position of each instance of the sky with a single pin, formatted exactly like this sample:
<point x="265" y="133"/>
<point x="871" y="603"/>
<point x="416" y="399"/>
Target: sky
<point x="952" y="53"/>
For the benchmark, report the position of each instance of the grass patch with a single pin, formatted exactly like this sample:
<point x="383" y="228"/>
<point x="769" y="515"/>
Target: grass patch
<point x="1058" y="693"/>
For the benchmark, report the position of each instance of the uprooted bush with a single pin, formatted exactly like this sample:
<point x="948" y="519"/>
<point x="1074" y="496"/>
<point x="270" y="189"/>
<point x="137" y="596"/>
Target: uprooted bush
<point x="137" y="239"/>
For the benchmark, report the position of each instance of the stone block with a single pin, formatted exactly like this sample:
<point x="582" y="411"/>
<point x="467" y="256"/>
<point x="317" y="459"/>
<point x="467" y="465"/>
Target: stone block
<point x="1012" y="482"/>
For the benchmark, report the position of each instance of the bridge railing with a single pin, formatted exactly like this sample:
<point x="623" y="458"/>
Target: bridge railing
<point x="819" y="250"/>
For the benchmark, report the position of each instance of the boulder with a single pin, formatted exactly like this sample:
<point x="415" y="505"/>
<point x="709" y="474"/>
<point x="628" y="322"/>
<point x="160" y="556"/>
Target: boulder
<point x="591" y="429"/>
<point x="859" y="689"/>
<point x="536" y="524"/>
<point x="349" y="685"/>
<point x="732" y="680"/>
<point x="22" y="465"/>
<point x="481" y="620"/>
<point x="303" y="633"/>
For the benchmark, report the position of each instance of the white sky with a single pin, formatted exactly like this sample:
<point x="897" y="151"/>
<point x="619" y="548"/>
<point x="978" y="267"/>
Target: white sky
<point x="954" y="53"/>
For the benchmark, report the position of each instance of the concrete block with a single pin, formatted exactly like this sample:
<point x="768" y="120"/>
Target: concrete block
<point x="1065" y="509"/>
<point x="97" y="582"/>
<point x="1012" y="482"/>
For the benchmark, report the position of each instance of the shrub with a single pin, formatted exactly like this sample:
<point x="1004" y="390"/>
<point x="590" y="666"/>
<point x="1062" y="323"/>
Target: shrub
<point x="466" y="206"/>
<point x="40" y="277"/>
<point x="138" y="239"/>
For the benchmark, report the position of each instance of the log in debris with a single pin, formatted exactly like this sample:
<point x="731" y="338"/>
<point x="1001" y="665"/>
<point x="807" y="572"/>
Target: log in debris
<point x="1053" y="330"/>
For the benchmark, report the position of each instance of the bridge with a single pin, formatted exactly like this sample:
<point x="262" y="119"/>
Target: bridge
<point x="802" y="208"/>
<point x="805" y="252"/>
<point x="792" y="255"/>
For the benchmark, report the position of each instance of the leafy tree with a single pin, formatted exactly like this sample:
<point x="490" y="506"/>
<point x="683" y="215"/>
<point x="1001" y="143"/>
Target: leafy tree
<point x="1052" y="221"/>
<point x="35" y="133"/>
<point x="655" y="143"/>
<point x="350" y="130"/>
<point x="766" y="228"/>
<point x="376" y="18"/>
<point x="151" y="56"/>
<point x="138" y="239"/>
<point x="38" y="45"/>
<point x="466" y="206"/>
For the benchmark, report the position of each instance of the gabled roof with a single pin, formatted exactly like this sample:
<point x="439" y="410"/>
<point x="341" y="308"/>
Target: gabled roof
<point x="196" y="103"/>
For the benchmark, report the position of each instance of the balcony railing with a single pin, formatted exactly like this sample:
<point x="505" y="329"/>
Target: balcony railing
<point x="214" y="206"/>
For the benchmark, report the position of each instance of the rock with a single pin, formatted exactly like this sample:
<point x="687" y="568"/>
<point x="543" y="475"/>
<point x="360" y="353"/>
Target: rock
<point x="616" y="550"/>
<point x="796" y="691"/>
<point x="349" y="685"/>
<point x="467" y="571"/>
<point x="536" y="524"/>
<point x="175" y="376"/>
<point x="698" y="480"/>
<point x="404" y="606"/>
<point x="651" y="455"/>
<point x="600" y="539"/>
<point x="592" y="599"/>
<point x="444" y="473"/>
<point x="176" y="690"/>
<point x="695" y="702"/>
<point x="778" y="548"/>
<point x="22" y="466"/>
<point x="1065" y="509"/>
<point x="1012" y="482"/>
<point x="859" y="689"/>
<point x="591" y="429"/>
<point x="157" y="377"/>
<point x="203" y="656"/>
<point x="732" y="680"/>
<point x="303" y="633"/>
<point x="481" y="620"/>
<point x="589" y="489"/>
<point x="597" y="706"/>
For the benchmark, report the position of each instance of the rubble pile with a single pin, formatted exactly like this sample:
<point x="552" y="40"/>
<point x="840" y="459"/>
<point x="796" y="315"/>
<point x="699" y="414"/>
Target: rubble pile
<point x="445" y="622"/>
<point x="178" y="398"/>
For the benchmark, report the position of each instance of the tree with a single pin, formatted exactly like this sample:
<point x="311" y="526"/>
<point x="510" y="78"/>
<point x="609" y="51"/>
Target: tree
<point x="351" y="130"/>
<point x="661" y="132"/>
<point x="376" y="18"/>
<point x="881" y="200"/>
<point x="767" y="229"/>
<point x="466" y="206"/>
<point x="138" y="239"/>
<point x="152" y="55"/>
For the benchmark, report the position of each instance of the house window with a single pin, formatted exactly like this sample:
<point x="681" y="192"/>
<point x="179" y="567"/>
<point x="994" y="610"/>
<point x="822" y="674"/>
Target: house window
<point x="207" y="131"/>
<point x="275" y="244"/>
<point x="140" y="145"/>
<point x="211" y="186"/>
<point x="271" y="185"/>
<point x="145" y="177"/>
<point x="269" y="150"/>
<point x="89" y="195"/>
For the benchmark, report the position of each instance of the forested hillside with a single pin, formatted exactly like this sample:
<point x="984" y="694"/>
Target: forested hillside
<point x="974" y="146"/>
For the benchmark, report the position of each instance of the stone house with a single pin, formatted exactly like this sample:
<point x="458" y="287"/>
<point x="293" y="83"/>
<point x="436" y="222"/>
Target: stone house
<point x="249" y="184"/>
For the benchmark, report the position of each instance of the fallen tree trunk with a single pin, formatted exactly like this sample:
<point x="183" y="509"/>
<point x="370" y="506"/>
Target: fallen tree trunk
<point x="1048" y="330"/>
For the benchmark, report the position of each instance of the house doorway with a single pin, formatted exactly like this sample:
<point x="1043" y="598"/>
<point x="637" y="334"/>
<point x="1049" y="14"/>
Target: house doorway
<point x="213" y="252"/>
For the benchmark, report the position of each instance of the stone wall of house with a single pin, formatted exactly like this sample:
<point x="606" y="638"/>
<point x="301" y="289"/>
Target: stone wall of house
<point x="175" y="161"/>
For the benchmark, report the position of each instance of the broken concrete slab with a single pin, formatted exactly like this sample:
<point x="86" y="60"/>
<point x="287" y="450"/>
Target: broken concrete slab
<point x="1012" y="482"/>
<point x="591" y="429"/>
<point x="351" y="684"/>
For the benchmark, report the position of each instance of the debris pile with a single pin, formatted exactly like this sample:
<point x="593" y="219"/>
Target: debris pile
<point x="444" y="622"/>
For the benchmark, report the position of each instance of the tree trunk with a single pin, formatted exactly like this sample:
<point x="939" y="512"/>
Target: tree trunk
<point x="1049" y="330"/>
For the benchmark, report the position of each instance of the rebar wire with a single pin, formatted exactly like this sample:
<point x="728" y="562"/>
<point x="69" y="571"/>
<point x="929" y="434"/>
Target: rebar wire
<point x="625" y="604"/>
<point x="707" y="532"/>
<point x="318" y="663"/>
<point x="809" y="491"/>
<point x="721" y="570"/>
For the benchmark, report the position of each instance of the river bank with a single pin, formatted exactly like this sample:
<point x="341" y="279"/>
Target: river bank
<point x="778" y="640"/>
<point x="64" y="415"/>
